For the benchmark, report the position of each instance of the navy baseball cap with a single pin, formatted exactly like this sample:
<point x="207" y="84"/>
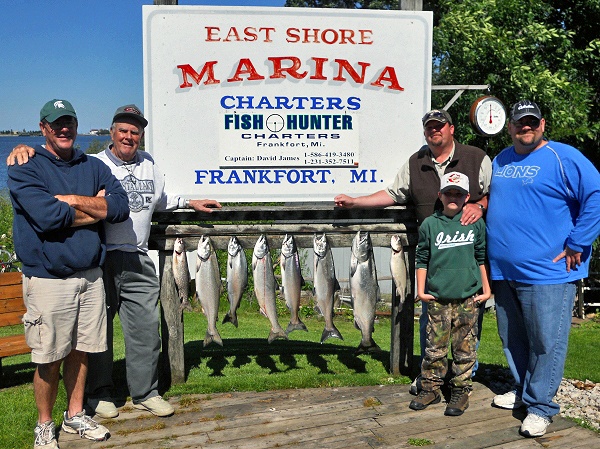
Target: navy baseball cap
<point x="524" y="108"/>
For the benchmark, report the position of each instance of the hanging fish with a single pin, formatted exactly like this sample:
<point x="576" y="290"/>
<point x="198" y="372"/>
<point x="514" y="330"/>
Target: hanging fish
<point x="291" y="282"/>
<point x="265" y="285"/>
<point x="398" y="269"/>
<point x="208" y="288"/>
<point x="237" y="278"/>
<point x="325" y="285"/>
<point x="364" y="290"/>
<point x="181" y="274"/>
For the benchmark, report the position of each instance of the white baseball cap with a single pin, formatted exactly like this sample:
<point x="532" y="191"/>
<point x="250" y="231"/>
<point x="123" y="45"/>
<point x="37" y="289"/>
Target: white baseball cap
<point x="455" y="180"/>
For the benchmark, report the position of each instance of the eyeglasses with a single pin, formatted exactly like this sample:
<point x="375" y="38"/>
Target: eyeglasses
<point x="59" y="124"/>
<point x="532" y="123"/>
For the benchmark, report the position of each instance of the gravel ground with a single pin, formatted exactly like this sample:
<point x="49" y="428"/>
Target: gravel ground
<point x="577" y="399"/>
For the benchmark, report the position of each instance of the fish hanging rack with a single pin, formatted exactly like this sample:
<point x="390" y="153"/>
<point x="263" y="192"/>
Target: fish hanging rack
<point x="300" y="220"/>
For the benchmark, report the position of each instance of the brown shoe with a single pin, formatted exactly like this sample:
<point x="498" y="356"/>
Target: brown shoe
<point x="459" y="401"/>
<point x="425" y="398"/>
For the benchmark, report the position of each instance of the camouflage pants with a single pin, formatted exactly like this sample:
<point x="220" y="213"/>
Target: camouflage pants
<point x="456" y="320"/>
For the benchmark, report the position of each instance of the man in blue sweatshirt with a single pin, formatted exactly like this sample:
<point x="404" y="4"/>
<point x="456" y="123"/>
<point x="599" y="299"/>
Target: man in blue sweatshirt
<point x="60" y="200"/>
<point x="544" y="215"/>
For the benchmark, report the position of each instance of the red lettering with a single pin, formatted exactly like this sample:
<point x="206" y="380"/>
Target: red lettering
<point x="388" y="74"/>
<point x="291" y="66"/>
<point x="310" y="34"/>
<point x="332" y="39"/>
<point x="207" y="69"/>
<point x="342" y="63"/>
<point x="365" y="37"/>
<point x="267" y="31"/>
<point x="250" y="33"/>
<point x="210" y="34"/>
<point x="245" y="67"/>
<point x="292" y="34"/>
<point x="329" y="36"/>
<point x="232" y="34"/>
<point x="318" y="75"/>
<point x="293" y="70"/>
<point x="347" y="36"/>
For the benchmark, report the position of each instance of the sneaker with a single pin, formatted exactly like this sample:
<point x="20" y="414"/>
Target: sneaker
<point x="459" y="401"/>
<point x="103" y="408"/>
<point x="85" y="426"/>
<point x="157" y="406"/>
<point x="424" y="399"/>
<point x="415" y="386"/>
<point x="508" y="400"/>
<point x="44" y="436"/>
<point x="534" y="425"/>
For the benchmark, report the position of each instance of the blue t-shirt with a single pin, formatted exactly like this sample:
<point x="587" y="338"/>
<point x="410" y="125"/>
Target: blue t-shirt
<point x="540" y="202"/>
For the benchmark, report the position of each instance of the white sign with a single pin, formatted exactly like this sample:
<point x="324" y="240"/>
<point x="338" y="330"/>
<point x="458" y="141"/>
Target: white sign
<point x="284" y="104"/>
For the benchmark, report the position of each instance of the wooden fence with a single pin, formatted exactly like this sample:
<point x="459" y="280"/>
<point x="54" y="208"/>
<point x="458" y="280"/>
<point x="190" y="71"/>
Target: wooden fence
<point x="302" y="221"/>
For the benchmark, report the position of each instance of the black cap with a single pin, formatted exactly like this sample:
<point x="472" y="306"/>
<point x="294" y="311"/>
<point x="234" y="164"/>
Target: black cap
<point x="439" y="115"/>
<point x="131" y="111"/>
<point x="524" y="108"/>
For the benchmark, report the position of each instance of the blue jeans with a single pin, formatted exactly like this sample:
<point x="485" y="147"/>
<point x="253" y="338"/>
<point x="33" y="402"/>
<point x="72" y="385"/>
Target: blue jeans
<point x="534" y="323"/>
<point x="423" y="333"/>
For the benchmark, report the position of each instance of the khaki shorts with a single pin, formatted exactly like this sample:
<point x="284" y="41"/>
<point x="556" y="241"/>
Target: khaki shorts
<point x="64" y="314"/>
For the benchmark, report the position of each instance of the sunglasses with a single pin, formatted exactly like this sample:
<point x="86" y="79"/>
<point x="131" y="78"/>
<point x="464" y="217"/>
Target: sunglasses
<point x="532" y="123"/>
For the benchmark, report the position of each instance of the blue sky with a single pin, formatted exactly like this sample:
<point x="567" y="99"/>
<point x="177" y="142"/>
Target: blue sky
<point x="86" y="51"/>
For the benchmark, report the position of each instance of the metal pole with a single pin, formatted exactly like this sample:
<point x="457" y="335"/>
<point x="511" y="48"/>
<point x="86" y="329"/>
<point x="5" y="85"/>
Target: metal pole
<point x="411" y="5"/>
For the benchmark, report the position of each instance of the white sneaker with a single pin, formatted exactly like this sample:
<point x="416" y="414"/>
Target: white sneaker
<point x="45" y="436"/>
<point x="534" y="425"/>
<point x="508" y="400"/>
<point x="157" y="406"/>
<point x="103" y="408"/>
<point x="85" y="426"/>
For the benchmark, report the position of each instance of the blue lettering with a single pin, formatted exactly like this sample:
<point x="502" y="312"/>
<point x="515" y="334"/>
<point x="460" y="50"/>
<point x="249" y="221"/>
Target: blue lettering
<point x="353" y="103"/>
<point x="277" y="176"/>
<point x="358" y="177"/>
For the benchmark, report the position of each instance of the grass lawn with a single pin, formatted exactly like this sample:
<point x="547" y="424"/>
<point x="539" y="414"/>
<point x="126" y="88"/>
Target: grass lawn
<point x="247" y="362"/>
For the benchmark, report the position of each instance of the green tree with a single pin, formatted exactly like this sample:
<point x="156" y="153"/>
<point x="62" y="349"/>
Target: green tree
<point x="516" y="48"/>
<point x="96" y="146"/>
<point x="547" y="51"/>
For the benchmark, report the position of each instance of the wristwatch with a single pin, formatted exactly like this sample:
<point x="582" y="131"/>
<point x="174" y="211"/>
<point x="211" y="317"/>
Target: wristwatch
<point x="187" y="204"/>
<point x="481" y="206"/>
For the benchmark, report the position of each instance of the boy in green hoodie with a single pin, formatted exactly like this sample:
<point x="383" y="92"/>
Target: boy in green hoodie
<point x="451" y="272"/>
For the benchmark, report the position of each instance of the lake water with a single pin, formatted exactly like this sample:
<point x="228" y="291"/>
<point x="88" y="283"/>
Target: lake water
<point x="7" y="143"/>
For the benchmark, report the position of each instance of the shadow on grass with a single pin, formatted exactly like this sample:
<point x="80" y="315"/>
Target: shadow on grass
<point x="270" y="355"/>
<point x="17" y="374"/>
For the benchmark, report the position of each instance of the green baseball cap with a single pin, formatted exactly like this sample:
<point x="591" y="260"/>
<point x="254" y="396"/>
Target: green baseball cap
<point x="55" y="109"/>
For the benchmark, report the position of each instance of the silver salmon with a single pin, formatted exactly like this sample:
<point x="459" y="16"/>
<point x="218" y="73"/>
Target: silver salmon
<point x="237" y="278"/>
<point x="398" y="269"/>
<point x="208" y="288"/>
<point x="181" y="274"/>
<point x="325" y="285"/>
<point x="265" y="285"/>
<point x="364" y="290"/>
<point x="291" y="282"/>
